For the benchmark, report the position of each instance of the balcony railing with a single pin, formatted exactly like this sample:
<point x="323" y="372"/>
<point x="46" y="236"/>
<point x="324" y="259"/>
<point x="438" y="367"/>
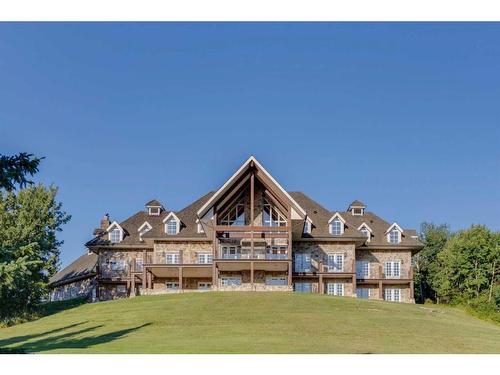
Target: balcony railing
<point x="255" y="256"/>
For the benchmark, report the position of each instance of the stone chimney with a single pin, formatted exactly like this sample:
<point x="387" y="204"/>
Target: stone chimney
<point x="105" y="222"/>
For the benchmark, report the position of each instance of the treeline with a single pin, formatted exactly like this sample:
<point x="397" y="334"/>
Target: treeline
<point x="461" y="268"/>
<point x="30" y="218"/>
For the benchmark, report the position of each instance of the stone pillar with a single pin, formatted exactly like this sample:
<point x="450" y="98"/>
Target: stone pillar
<point x="251" y="275"/>
<point x="290" y="270"/>
<point x="380" y="290"/>
<point x="132" y="288"/>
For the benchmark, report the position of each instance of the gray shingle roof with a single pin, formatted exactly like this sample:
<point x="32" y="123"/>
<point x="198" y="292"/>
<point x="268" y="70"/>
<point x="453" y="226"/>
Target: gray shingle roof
<point x="84" y="266"/>
<point x="154" y="203"/>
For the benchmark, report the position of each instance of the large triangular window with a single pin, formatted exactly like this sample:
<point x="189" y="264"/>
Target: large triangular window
<point x="271" y="217"/>
<point x="234" y="216"/>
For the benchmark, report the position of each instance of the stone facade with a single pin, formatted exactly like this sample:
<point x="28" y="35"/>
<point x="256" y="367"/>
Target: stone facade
<point x="189" y="250"/>
<point x="107" y="259"/>
<point x="319" y="251"/>
<point x="112" y="291"/>
<point x="78" y="289"/>
<point x="259" y="281"/>
<point x="377" y="259"/>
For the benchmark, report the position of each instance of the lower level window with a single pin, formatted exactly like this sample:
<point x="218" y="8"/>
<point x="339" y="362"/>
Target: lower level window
<point x="275" y="280"/>
<point x="204" y="285"/>
<point x="335" y="289"/>
<point x="171" y="286"/>
<point x="303" y="287"/>
<point x="121" y="289"/>
<point x="393" y="295"/>
<point x="230" y="280"/>
<point x="363" y="293"/>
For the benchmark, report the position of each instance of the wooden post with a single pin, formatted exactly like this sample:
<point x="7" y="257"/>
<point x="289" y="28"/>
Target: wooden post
<point x="289" y="224"/>
<point x="290" y="273"/>
<point x="354" y="285"/>
<point x="412" y="286"/>
<point x="180" y="278"/>
<point x="252" y="207"/>
<point x="132" y="289"/>
<point x="321" y="286"/>
<point x="144" y="277"/>
<point x="150" y="280"/>
<point x="251" y="273"/>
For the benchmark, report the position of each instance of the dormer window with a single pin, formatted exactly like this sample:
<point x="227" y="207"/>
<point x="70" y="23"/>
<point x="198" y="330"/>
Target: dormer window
<point x="115" y="236"/>
<point x="357" y="208"/>
<point x="115" y="233"/>
<point x="366" y="230"/>
<point x="394" y="234"/>
<point x="154" y="207"/>
<point x="154" y="211"/>
<point x="172" y="224"/>
<point x="357" y="211"/>
<point x="336" y="224"/>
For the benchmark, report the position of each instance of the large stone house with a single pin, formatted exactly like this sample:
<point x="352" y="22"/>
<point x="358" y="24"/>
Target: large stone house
<point x="253" y="235"/>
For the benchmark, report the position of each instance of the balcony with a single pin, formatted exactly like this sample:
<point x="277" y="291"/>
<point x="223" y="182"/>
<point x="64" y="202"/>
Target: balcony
<point x="377" y="273"/>
<point x="256" y="255"/>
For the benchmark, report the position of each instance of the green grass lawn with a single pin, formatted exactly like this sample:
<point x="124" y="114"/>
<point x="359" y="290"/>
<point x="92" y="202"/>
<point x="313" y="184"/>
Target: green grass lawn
<point x="253" y="323"/>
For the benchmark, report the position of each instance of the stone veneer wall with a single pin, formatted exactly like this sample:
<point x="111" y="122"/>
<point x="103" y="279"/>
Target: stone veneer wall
<point x="106" y="257"/>
<point x="109" y="291"/>
<point x="259" y="281"/>
<point x="82" y="288"/>
<point x="319" y="252"/>
<point x="189" y="250"/>
<point x="348" y="287"/>
<point x="377" y="259"/>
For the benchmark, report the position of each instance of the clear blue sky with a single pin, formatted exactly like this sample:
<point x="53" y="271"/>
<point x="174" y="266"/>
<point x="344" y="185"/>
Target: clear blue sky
<point x="405" y="117"/>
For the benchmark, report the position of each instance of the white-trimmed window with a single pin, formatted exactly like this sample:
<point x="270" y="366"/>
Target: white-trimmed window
<point x="392" y="269"/>
<point x="154" y="211"/>
<point x="172" y="226"/>
<point x="362" y="269"/>
<point x="357" y="211"/>
<point x="171" y="285"/>
<point x="172" y="258"/>
<point x="336" y="227"/>
<point x="302" y="287"/>
<point x="235" y="216"/>
<point x="335" y="262"/>
<point x="115" y="235"/>
<point x="204" y="258"/>
<point x="335" y="289"/>
<point x="227" y="281"/>
<point x="117" y="265"/>
<point x="272" y="217"/>
<point x="366" y="232"/>
<point x="276" y="252"/>
<point x="121" y="289"/>
<point x="392" y="294"/>
<point x="394" y="236"/>
<point x="363" y="293"/>
<point x="204" y="285"/>
<point x="271" y="280"/>
<point x="302" y="262"/>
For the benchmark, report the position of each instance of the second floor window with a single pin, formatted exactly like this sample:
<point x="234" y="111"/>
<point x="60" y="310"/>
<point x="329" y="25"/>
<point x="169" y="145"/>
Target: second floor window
<point x="172" y="258"/>
<point x="335" y="262"/>
<point x="392" y="270"/>
<point x="362" y="269"/>
<point x="204" y="258"/>
<point x="336" y="227"/>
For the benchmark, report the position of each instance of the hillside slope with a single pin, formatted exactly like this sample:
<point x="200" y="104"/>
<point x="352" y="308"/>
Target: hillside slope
<point x="253" y="323"/>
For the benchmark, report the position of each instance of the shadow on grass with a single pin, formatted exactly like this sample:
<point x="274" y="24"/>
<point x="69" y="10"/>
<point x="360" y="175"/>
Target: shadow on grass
<point x="50" y="308"/>
<point x="66" y="340"/>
